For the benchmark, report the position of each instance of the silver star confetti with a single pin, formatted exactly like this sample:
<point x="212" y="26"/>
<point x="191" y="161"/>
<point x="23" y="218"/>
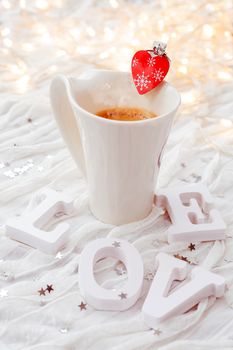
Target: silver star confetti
<point x="196" y="177"/>
<point x="36" y="278"/>
<point x="184" y="180"/>
<point x="18" y="170"/>
<point x="9" y="174"/>
<point x="3" y="293"/>
<point x="157" y="332"/>
<point x="6" y="276"/>
<point x="149" y="276"/>
<point x="82" y="306"/>
<point x="63" y="330"/>
<point x="123" y="295"/>
<point x="116" y="244"/>
<point x="59" y="256"/>
<point x="120" y="269"/>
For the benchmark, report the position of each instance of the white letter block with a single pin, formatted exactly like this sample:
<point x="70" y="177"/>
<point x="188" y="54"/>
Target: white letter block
<point x="27" y="228"/>
<point x="106" y="299"/>
<point x="159" y="306"/>
<point x="191" y="211"/>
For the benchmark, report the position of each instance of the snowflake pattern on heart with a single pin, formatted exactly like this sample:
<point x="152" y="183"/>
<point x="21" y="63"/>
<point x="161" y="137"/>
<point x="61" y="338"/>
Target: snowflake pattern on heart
<point x="148" y="70"/>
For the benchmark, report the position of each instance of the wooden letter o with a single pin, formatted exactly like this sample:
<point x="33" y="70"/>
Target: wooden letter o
<point x="106" y="299"/>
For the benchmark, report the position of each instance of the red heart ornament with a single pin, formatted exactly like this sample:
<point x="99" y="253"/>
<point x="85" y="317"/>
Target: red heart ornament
<point x="148" y="70"/>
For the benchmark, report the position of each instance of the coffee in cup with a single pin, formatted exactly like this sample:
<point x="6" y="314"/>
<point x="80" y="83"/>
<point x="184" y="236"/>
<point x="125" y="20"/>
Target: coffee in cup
<point x="126" y="114"/>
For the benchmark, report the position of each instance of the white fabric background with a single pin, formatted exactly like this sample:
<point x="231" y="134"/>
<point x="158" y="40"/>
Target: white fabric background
<point x="33" y="156"/>
<point x="195" y="152"/>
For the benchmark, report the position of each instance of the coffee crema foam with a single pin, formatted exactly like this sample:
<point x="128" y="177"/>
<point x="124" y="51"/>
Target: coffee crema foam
<point x="125" y="114"/>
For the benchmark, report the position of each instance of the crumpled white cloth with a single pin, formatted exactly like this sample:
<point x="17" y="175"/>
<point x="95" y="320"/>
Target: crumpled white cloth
<point x="33" y="156"/>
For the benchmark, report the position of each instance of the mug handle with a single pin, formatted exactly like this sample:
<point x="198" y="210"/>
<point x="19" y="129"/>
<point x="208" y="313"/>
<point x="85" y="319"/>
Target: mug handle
<point x="66" y="120"/>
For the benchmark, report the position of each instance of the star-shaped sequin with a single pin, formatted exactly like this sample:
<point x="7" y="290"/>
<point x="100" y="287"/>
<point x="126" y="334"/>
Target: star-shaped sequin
<point x="42" y="291"/>
<point x="116" y="244"/>
<point x="49" y="288"/>
<point x="157" y="332"/>
<point x="3" y="293"/>
<point x="149" y="276"/>
<point x="181" y="257"/>
<point x="123" y="295"/>
<point x="63" y="330"/>
<point x="82" y="306"/>
<point x="59" y="256"/>
<point x="191" y="246"/>
<point x="196" y="177"/>
<point x="120" y="269"/>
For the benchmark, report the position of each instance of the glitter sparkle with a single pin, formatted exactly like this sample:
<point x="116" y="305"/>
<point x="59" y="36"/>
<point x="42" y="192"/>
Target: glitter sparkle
<point x="3" y="293"/>
<point x="82" y="306"/>
<point x="116" y="244"/>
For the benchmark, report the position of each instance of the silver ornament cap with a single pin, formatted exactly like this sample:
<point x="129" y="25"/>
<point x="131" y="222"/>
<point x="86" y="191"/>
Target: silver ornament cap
<point x="159" y="48"/>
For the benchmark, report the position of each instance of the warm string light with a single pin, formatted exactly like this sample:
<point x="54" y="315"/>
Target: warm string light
<point x="189" y="97"/>
<point x="42" y="4"/>
<point x="6" y="4"/>
<point x="41" y="35"/>
<point x="227" y="123"/>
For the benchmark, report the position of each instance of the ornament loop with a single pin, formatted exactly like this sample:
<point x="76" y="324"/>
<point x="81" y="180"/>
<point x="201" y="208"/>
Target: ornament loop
<point x="159" y="48"/>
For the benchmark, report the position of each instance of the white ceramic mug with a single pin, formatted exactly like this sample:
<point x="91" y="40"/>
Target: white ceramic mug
<point x="119" y="159"/>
